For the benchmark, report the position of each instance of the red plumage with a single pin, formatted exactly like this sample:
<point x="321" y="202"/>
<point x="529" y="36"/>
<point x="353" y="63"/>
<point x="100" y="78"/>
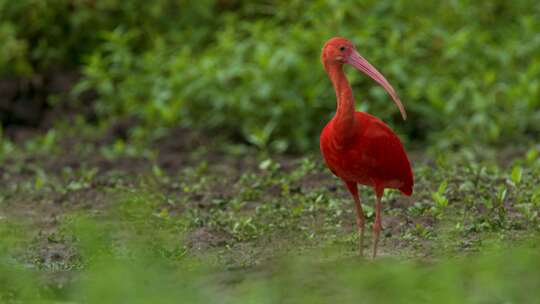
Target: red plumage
<point x="357" y="147"/>
<point x="373" y="155"/>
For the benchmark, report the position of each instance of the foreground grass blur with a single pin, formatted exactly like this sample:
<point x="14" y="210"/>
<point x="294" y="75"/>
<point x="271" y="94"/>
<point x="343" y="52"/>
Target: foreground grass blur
<point x="138" y="272"/>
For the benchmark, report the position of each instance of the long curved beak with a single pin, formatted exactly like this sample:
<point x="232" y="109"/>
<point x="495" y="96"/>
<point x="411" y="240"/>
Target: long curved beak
<point x="357" y="61"/>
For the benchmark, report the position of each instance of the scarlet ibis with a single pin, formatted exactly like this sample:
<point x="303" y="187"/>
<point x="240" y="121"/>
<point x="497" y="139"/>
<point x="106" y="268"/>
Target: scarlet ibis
<point x="358" y="147"/>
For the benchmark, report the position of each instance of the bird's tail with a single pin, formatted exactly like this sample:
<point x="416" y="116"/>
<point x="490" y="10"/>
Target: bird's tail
<point x="406" y="189"/>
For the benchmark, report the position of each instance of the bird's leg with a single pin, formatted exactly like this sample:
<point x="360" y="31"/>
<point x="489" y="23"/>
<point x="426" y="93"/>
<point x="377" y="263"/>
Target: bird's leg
<point x="377" y="223"/>
<point x="360" y="224"/>
<point x="359" y="215"/>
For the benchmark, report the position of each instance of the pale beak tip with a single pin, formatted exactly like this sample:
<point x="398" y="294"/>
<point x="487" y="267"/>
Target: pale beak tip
<point x="404" y="115"/>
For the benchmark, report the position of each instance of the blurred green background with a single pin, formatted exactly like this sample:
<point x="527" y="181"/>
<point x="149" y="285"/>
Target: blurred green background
<point x="107" y="202"/>
<point x="467" y="71"/>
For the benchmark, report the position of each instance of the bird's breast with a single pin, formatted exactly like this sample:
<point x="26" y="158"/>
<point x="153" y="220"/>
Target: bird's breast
<point x="370" y="154"/>
<point x="345" y="162"/>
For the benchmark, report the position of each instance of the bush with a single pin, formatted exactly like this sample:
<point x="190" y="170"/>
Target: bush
<point x="44" y="34"/>
<point x="467" y="72"/>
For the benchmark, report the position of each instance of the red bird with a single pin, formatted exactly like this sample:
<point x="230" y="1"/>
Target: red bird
<point x="357" y="147"/>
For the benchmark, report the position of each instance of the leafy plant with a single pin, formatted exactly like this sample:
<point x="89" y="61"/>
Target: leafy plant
<point x="467" y="72"/>
<point x="273" y="93"/>
<point x="440" y="199"/>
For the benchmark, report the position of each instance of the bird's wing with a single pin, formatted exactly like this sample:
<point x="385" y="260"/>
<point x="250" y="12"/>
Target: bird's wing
<point x="382" y="151"/>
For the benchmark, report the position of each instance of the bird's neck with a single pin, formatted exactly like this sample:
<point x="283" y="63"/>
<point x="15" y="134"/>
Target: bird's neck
<point x="344" y="118"/>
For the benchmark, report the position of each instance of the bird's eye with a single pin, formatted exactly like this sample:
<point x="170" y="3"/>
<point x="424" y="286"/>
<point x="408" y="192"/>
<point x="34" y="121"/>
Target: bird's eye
<point x="342" y="48"/>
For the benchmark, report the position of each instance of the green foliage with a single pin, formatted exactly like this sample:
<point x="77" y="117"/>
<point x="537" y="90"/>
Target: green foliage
<point x="439" y="198"/>
<point x="468" y="72"/>
<point x="517" y="173"/>
<point x="38" y="35"/>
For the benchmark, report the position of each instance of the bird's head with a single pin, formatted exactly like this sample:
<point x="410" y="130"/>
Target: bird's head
<point x="339" y="51"/>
